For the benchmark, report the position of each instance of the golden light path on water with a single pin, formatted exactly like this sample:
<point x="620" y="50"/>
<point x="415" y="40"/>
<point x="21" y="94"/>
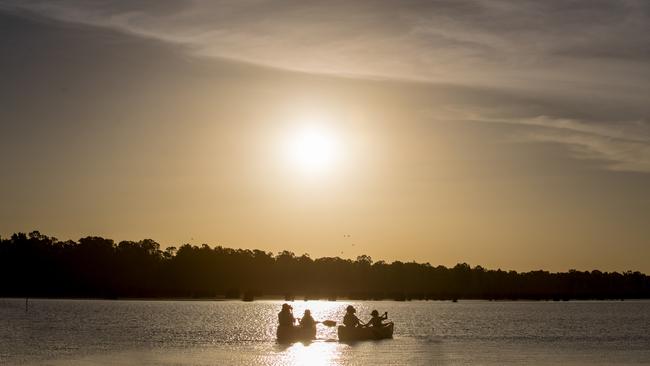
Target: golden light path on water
<point x="315" y="353"/>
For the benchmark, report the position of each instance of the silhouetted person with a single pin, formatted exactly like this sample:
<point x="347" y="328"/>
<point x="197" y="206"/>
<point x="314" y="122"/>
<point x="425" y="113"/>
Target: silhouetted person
<point x="351" y="320"/>
<point x="376" y="320"/>
<point x="307" y="321"/>
<point x="285" y="316"/>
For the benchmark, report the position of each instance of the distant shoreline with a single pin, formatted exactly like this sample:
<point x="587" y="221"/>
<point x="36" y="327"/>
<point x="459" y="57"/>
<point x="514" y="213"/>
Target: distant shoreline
<point x="342" y="300"/>
<point x="35" y="265"/>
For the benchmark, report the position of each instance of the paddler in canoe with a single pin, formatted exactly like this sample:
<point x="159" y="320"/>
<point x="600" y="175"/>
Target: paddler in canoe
<point x="350" y="319"/>
<point x="356" y="330"/>
<point x="307" y="321"/>
<point x="304" y="331"/>
<point x="308" y="325"/>
<point x="376" y="320"/>
<point x="287" y="331"/>
<point x="285" y="316"/>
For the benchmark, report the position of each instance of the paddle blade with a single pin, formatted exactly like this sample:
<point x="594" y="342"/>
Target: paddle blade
<point x="329" y="323"/>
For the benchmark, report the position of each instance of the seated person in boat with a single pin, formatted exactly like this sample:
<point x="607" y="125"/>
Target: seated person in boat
<point x="285" y="316"/>
<point x="307" y="321"/>
<point x="376" y="320"/>
<point x="351" y="320"/>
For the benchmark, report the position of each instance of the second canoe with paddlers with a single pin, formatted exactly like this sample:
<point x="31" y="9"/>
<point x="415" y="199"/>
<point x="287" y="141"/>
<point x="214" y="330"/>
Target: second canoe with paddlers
<point x="354" y="329"/>
<point x="352" y="334"/>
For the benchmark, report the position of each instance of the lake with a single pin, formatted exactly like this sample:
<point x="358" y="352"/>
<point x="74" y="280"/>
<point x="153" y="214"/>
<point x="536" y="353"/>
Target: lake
<point x="105" y="332"/>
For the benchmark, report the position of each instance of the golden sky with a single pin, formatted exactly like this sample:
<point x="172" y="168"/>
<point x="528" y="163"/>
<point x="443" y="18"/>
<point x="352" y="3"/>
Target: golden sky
<point x="510" y="134"/>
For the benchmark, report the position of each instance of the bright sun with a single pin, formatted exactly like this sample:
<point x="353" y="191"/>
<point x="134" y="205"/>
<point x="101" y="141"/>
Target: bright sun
<point x="313" y="149"/>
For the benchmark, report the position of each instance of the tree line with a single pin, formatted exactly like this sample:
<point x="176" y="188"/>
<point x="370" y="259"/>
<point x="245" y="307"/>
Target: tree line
<point x="35" y="265"/>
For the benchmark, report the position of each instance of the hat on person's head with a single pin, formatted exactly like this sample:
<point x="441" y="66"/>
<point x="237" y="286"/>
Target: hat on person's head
<point x="374" y="313"/>
<point x="286" y="306"/>
<point x="351" y="309"/>
<point x="307" y="311"/>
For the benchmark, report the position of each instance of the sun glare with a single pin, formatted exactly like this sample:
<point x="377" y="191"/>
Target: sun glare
<point x="313" y="149"/>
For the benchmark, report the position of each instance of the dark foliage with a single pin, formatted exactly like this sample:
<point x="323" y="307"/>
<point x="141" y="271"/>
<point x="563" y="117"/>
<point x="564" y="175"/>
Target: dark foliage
<point x="36" y="265"/>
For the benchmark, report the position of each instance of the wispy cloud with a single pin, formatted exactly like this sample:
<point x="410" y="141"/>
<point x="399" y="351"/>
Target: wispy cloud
<point x="617" y="154"/>
<point x="622" y="146"/>
<point x="634" y="131"/>
<point x="583" y="65"/>
<point x="479" y="41"/>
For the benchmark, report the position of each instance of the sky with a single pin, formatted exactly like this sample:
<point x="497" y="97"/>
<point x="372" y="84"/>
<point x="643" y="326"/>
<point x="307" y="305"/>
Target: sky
<point x="510" y="134"/>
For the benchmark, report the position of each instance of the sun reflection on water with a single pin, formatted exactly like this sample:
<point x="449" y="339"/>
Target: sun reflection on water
<point x="315" y="353"/>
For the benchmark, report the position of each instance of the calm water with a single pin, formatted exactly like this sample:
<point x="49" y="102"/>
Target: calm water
<point x="89" y="332"/>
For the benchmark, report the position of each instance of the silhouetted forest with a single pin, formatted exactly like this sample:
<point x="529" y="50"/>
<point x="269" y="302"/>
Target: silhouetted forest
<point x="36" y="265"/>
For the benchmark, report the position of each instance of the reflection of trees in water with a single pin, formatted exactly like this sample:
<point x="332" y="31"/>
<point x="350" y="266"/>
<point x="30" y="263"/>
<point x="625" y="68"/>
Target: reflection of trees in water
<point x="37" y="265"/>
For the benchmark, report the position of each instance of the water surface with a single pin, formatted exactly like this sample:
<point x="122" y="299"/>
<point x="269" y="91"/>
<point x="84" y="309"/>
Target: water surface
<point x="98" y="332"/>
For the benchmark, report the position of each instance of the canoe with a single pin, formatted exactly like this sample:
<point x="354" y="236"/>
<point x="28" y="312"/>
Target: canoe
<point x="347" y="334"/>
<point x="296" y="334"/>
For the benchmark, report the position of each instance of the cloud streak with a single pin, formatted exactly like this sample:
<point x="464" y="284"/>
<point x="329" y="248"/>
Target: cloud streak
<point x="482" y="41"/>
<point x="584" y="65"/>
<point x="624" y="146"/>
<point x="621" y="145"/>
